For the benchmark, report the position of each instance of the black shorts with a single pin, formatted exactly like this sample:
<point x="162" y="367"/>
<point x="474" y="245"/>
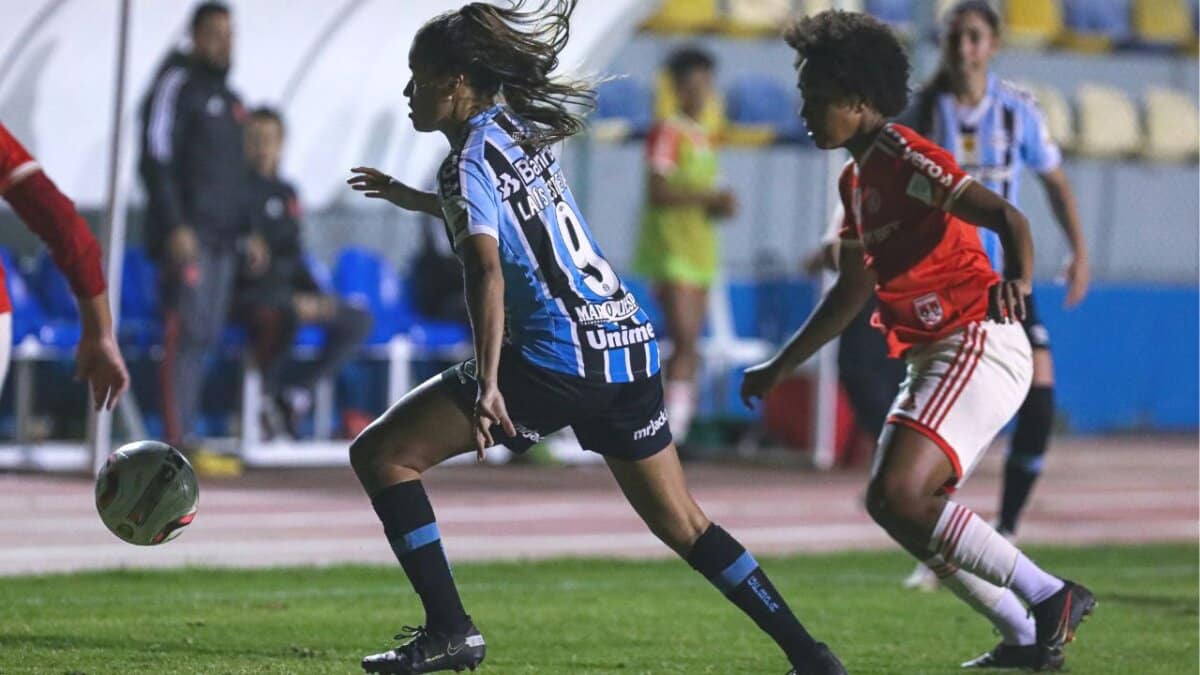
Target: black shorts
<point x="1039" y="337"/>
<point x="622" y="420"/>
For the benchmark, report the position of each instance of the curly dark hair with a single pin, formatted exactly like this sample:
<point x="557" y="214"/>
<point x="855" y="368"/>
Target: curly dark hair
<point x="854" y="54"/>
<point x="511" y="51"/>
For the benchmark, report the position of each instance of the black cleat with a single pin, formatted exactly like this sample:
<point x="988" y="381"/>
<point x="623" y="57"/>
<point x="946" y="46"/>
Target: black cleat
<point x="1022" y="657"/>
<point x="824" y="663"/>
<point x="426" y="652"/>
<point x="1058" y="616"/>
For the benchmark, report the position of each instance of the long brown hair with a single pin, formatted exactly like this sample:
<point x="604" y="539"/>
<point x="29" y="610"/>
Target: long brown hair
<point x="940" y="82"/>
<point x="511" y="51"/>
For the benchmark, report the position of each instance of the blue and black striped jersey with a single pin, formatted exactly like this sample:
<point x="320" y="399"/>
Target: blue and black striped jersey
<point x="994" y="141"/>
<point x="565" y="307"/>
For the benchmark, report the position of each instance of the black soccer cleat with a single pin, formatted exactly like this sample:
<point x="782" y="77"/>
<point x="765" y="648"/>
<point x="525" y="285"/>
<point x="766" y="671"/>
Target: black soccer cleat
<point x="428" y="652"/>
<point x="1017" y="657"/>
<point x="823" y="663"/>
<point x="1058" y="616"/>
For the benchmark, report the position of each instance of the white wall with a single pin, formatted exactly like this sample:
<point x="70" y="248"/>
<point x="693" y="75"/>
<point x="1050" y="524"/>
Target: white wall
<point x="337" y="67"/>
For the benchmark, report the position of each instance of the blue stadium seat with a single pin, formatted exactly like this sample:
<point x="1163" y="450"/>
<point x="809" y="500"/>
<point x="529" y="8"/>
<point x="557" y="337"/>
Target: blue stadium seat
<point x="426" y="333"/>
<point x="899" y="13"/>
<point x="628" y="101"/>
<point x="1104" y="22"/>
<point x="53" y="289"/>
<point x="27" y="312"/>
<point x="759" y="100"/>
<point x="140" y="325"/>
<point x="364" y="278"/>
<point x="320" y="272"/>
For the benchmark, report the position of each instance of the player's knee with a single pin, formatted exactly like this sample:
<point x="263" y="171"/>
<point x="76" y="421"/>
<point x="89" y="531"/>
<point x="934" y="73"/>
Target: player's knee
<point x="679" y="529"/>
<point x="892" y="500"/>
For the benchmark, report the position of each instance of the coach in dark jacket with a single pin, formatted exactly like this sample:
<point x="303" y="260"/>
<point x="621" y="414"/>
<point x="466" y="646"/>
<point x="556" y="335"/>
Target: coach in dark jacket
<point x="193" y="168"/>
<point x="273" y="301"/>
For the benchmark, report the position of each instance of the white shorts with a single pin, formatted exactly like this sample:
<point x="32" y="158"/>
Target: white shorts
<point x="961" y="390"/>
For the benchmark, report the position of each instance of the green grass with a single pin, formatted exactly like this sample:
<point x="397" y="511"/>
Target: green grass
<point x="584" y="616"/>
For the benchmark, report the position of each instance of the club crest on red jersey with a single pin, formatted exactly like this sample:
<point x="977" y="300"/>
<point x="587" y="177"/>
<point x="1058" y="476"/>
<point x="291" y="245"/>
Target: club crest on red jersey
<point x="929" y="310"/>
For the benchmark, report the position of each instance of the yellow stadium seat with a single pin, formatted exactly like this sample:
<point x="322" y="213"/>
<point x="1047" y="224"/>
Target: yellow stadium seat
<point x="1032" y="23"/>
<point x="1108" y="122"/>
<point x="749" y="135"/>
<point x="712" y="117"/>
<point x="751" y="18"/>
<point x="1172" y="125"/>
<point x="1162" y="22"/>
<point x="808" y="7"/>
<point x="1057" y="112"/>
<point x="684" y="16"/>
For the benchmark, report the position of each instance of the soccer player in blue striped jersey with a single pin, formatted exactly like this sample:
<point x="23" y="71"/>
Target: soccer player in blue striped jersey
<point x="559" y="340"/>
<point x="995" y="130"/>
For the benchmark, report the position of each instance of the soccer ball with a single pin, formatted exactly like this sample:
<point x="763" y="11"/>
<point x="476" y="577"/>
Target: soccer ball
<point x="147" y="493"/>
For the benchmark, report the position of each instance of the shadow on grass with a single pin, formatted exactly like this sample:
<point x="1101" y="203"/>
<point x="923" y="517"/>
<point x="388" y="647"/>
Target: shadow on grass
<point x="1181" y="605"/>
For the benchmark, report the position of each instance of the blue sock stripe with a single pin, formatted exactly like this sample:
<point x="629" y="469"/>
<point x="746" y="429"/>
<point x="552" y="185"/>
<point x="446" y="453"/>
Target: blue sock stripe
<point x="422" y="536"/>
<point x="736" y="573"/>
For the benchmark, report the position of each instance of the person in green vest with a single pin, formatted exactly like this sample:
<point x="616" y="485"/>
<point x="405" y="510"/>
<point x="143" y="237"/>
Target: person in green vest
<point x="677" y="245"/>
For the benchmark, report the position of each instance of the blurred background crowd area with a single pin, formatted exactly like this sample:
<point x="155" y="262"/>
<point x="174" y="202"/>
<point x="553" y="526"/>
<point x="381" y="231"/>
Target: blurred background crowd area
<point x="1117" y="80"/>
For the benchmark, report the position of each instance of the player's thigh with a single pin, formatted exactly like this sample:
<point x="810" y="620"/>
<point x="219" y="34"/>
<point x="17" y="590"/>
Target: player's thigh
<point x="684" y="319"/>
<point x="656" y="488"/>
<point x="429" y="425"/>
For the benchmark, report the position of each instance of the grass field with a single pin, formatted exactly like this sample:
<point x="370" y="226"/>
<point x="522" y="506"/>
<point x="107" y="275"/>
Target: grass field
<point x="583" y="616"/>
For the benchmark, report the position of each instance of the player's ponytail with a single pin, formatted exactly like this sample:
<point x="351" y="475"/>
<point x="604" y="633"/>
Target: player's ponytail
<point x="510" y="52"/>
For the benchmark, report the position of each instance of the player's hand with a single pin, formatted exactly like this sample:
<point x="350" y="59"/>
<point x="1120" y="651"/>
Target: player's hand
<point x="723" y="204"/>
<point x="376" y="184"/>
<point x="489" y="411"/>
<point x="1006" y="301"/>
<point x="758" y="380"/>
<point x="182" y="246"/>
<point x="1078" y="274"/>
<point x="98" y="360"/>
<point x="258" y="255"/>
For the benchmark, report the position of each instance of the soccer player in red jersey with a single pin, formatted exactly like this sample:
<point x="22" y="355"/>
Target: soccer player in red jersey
<point x="909" y="235"/>
<point x="48" y="212"/>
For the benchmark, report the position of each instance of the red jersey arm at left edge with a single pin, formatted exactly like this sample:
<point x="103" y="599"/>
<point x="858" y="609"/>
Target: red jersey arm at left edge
<point x="51" y="216"/>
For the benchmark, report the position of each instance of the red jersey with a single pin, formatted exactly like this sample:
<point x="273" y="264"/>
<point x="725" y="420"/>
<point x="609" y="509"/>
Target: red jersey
<point x="933" y="274"/>
<point x="50" y="215"/>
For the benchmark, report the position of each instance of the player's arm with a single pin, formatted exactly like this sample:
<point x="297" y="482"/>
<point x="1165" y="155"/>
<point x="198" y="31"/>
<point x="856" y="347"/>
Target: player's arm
<point x="484" y="283"/>
<point x="984" y="208"/>
<point x="52" y="216"/>
<point x="662" y="193"/>
<point x="376" y="184"/>
<point x="1062" y="202"/>
<point x="833" y="313"/>
<point x="662" y="160"/>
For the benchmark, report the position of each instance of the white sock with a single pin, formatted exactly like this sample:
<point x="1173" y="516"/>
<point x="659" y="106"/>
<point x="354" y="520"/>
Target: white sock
<point x="963" y="538"/>
<point x="681" y="404"/>
<point x="999" y="605"/>
<point x="1032" y="582"/>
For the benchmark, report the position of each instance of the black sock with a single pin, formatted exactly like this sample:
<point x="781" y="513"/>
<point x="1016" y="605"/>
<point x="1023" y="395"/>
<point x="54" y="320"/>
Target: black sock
<point x="412" y="531"/>
<point x="731" y="568"/>
<point x="1035" y="420"/>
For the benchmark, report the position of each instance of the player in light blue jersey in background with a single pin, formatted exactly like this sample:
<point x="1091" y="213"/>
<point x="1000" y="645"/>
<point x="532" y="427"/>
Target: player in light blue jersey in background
<point x="995" y="131"/>
<point x="559" y="339"/>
